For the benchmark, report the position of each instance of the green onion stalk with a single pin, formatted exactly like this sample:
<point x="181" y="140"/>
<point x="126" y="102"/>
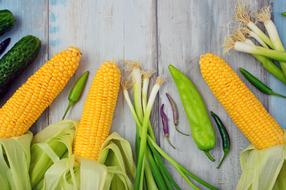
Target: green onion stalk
<point x="264" y="16"/>
<point x="242" y="15"/>
<point x="150" y="154"/>
<point x="271" y="41"/>
<point x="239" y="42"/>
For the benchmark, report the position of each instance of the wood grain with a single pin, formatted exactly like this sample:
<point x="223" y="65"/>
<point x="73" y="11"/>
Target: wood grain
<point x="156" y="33"/>
<point x="32" y="18"/>
<point x="277" y="106"/>
<point x="186" y="29"/>
<point x="104" y="30"/>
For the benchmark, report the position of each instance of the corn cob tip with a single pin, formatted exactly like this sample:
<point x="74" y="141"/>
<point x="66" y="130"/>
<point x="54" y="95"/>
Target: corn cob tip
<point x="75" y="49"/>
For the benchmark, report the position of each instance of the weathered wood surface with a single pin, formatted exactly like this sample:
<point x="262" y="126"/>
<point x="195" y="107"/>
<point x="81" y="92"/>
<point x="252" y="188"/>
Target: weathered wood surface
<point x="155" y="33"/>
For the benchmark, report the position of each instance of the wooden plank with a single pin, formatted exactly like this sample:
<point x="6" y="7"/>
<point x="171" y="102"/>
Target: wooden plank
<point x="187" y="29"/>
<point x="277" y="106"/>
<point x="114" y="29"/>
<point x="32" y="18"/>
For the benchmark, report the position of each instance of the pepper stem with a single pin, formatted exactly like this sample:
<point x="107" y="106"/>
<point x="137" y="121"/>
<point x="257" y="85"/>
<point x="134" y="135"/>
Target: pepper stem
<point x="67" y="110"/>
<point x="169" y="141"/>
<point x="182" y="132"/>
<point x="225" y="153"/>
<point x="279" y="95"/>
<point x="209" y="155"/>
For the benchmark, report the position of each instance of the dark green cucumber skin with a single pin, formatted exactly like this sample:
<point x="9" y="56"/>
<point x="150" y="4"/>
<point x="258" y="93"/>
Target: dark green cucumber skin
<point x="7" y="21"/>
<point x="16" y="60"/>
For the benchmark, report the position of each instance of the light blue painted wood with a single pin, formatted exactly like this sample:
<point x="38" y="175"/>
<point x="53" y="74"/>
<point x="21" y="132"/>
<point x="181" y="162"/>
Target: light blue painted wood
<point x="277" y="106"/>
<point x="31" y="18"/>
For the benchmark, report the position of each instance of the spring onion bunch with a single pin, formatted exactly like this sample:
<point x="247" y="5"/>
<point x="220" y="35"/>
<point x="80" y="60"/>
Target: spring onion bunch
<point x="151" y="172"/>
<point x="266" y="48"/>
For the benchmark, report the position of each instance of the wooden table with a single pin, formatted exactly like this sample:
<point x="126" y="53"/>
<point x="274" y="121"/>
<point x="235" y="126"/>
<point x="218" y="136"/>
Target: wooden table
<point x="156" y="33"/>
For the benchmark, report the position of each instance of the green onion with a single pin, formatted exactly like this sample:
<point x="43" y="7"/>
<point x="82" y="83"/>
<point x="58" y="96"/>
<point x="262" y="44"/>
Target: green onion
<point x="137" y="89"/>
<point x="257" y="50"/>
<point x="256" y="37"/>
<point x="146" y="80"/>
<point x="269" y="66"/>
<point x="260" y="34"/>
<point x="142" y="148"/>
<point x="243" y="16"/>
<point x="264" y="16"/>
<point x="182" y="170"/>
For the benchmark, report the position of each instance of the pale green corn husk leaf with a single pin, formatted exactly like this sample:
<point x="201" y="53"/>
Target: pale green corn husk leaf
<point x="49" y="146"/>
<point x="120" y="180"/>
<point x="93" y="175"/>
<point x="123" y="153"/>
<point x="62" y="175"/>
<point x="114" y="170"/>
<point x="263" y="169"/>
<point x="14" y="162"/>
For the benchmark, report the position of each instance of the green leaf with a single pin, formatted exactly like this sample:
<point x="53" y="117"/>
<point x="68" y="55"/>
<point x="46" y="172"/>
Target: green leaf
<point x="14" y="162"/>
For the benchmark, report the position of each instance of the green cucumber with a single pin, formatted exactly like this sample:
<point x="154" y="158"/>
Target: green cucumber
<point x="17" y="59"/>
<point x="7" y="21"/>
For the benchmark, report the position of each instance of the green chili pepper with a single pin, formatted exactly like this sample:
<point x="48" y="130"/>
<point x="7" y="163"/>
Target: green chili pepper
<point x="224" y="137"/>
<point x="258" y="84"/>
<point x="283" y="14"/>
<point x="202" y="131"/>
<point x="76" y="91"/>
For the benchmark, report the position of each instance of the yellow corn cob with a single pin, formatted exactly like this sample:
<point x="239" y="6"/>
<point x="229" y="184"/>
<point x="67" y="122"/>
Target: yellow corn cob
<point x="244" y="108"/>
<point x="33" y="97"/>
<point x="98" y="112"/>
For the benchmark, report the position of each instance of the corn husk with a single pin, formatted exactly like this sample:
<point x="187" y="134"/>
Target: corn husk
<point x="116" y="155"/>
<point x="50" y="146"/>
<point x="114" y="170"/>
<point x="263" y="169"/>
<point x="14" y="162"/>
<point x="63" y="174"/>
